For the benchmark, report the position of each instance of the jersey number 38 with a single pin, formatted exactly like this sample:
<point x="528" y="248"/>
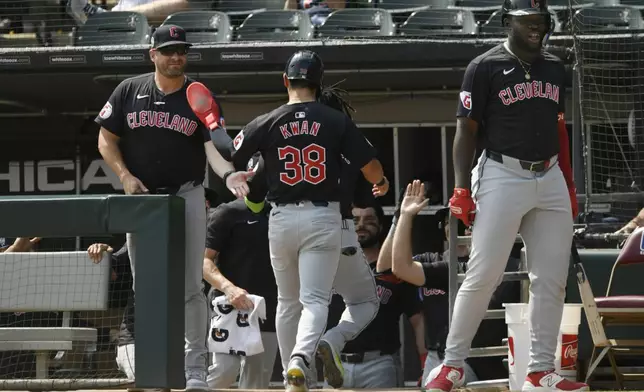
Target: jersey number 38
<point x="307" y="164"/>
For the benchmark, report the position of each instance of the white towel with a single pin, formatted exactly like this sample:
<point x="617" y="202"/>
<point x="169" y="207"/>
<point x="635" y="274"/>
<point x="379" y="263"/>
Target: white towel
<point x="235" y="331"/>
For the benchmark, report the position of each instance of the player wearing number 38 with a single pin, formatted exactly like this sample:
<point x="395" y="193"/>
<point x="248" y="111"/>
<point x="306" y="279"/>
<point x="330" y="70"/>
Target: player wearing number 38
<point x="303" y="143"/>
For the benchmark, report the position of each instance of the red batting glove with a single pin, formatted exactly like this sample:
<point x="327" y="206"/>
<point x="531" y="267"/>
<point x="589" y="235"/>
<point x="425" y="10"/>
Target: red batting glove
<point x="202" y="103"/>
<point x="573" y="202"/>
<point x="422" y="358"/>
<point x="462" y="206"/>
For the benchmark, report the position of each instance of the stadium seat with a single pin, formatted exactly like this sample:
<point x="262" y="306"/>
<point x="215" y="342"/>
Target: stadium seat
<point x="639" y="4"/>
<point x="358" y="23"/>
<point x="246" y="6"/>
<point x="493" y="25"/>
<point x="607" y="19"/>
<point x="203" y="27"/>
<point x="560" y="5"/>
<point x="114" y="28"/>
<point x="441" y="22"/>
<point x="479" y="4"/>
<point x="412" y="5"/>
<point x="278" y="25"/>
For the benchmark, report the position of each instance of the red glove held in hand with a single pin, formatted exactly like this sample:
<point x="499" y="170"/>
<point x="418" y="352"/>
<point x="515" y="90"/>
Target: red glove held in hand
<point x="202" y="103"/>
<point x="462" y="206"/>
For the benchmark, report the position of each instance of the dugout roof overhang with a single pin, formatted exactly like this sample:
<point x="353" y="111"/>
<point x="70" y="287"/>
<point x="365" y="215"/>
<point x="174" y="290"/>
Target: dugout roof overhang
<point x="34" y="80"/>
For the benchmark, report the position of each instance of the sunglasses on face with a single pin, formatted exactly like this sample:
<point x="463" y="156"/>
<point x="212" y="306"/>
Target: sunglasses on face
<point x="181" y="50"/>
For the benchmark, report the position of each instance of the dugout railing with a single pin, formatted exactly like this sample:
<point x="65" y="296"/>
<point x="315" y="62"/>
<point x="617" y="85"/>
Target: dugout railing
<point x="159" y="224"/>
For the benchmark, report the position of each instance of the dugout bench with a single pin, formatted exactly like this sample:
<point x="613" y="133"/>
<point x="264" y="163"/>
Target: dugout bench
<point x="57" y="282"/>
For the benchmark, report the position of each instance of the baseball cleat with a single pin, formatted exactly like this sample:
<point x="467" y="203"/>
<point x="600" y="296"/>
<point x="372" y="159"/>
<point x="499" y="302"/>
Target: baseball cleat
<point x="296" y="376"/>
<point x="196" y="381"/>
<point x="333" y="369"/>
<point x="444" y="379"/>
<point x="551" y="381"/>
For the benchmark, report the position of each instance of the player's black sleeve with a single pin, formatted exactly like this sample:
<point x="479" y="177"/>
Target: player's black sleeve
<point x="436" y="271"/>
<point x="355" y="147"/>
<point x="223" y="142"/>
<point x="218" y="228"/>
<point x="412" y="303"/>
<point x="474" y="92"/>
<point x="247" y="142"/>
<point x="112" y="116"/>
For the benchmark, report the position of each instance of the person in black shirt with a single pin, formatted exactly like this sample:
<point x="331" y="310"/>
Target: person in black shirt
<point x="155" y="144"/>
<point x="236" y="268"/>
<point x="430" y="272"/>
<point x="302" y="143"/>
<point x="512" y="105"/>
<point x="372" y="359"/>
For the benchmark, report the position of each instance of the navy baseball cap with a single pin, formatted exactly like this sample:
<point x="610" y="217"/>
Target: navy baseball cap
<point x="168" y="35"/>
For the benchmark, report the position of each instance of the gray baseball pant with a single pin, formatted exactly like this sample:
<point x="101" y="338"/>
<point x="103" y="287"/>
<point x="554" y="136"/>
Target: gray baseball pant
<point x="254" y="371"/>
<point x="354" y="281"/>
<point x="304" y="242"/>
<point x="196" y="314"/>
<point x="511" y="200"/>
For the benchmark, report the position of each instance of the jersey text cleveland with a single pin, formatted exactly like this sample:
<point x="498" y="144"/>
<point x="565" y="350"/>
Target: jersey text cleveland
<point x="529" y="90"/>
<point x="295" y="128"/>
<point x="152" y="118"/>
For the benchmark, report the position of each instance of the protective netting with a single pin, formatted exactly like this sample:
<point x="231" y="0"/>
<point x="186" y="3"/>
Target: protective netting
<point x="46" y="23"/>
<point x="61" y="311"/>
<point x="610" y="78"/>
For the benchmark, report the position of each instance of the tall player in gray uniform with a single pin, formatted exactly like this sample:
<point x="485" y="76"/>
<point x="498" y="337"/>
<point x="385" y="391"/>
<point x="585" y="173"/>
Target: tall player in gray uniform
<point x="512" y="104"/>
<point x="302" y="143"/>
<point x="155" y="144"/>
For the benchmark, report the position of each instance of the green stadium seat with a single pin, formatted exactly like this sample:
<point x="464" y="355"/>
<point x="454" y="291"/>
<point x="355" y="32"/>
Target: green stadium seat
<point x="277" y="25"/>
<point x="363" y="22"/>
<point x="396" y="6"/>
<point x="479" y="4"/>
<point x="607" y="19"/>
<point x="203" y="27"/>
<point x="114" y="28"/>
<point x="441" y="22"/>
<point x="248" y="6"/>
<point x="639" y="4"/>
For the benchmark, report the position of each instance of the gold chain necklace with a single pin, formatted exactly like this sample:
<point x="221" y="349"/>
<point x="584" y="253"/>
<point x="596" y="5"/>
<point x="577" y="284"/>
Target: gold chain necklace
<point x="527" y="71"/>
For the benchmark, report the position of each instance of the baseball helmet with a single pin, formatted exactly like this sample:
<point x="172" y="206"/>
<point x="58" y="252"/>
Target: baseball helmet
<point x="305" y="65"/>
<point x="527" y="7"/>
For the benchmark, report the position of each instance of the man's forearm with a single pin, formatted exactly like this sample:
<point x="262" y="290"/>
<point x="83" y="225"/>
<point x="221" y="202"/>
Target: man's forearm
<point x="418" y="325"/>
<point x="463" y="156"/>
<point x="219" y="165"/>
<point x="401" y="247"/>
<point x="112" y="156"/>
<point x="384" y="257"/>
<point x="213" y="275"/>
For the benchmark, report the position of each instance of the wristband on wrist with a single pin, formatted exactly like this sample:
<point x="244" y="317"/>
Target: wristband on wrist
<point x="225" y="177"/>
<point x="382" y="182"/>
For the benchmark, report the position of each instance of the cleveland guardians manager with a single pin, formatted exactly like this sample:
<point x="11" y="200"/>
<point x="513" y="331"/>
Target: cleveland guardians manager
<point x="512" y="105"/>
<point x="153" y="141"/>
<point x="302" y="143"/>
